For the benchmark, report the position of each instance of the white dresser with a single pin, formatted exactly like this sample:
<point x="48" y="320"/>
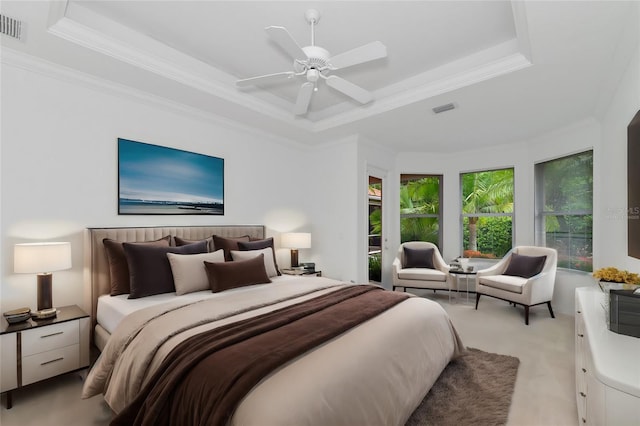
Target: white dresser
<point x="607" y="366"/>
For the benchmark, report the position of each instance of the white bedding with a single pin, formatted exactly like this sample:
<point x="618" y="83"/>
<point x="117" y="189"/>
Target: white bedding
<point x="112" y="309"/>
<point x="374" y="374"/>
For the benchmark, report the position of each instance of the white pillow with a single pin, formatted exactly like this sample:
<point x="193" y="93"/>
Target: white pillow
<point x="269" y="264"/>
<point x="189" y="273"/>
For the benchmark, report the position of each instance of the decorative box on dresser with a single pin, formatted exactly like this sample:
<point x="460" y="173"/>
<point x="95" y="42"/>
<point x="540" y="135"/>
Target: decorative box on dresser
<point x="32" y="351"/>
<point x="607" y="366"/>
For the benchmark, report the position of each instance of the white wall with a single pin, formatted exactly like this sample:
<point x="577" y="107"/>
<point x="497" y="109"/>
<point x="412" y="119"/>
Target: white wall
<point x="612" y="167"/>
<point x="59" y="171"/>
<point x="333" y="183"/>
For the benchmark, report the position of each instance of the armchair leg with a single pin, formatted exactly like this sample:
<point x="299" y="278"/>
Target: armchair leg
<point x="526" y="315"/>
<point x="550" y="309"/>
<point x="394" y="288"/>
<point x="477" y="300"/>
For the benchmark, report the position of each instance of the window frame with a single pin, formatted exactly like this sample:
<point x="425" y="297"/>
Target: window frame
<point x="406" y="177"/>
<point x="467" y="215"/>
<point x="540" y="213"/>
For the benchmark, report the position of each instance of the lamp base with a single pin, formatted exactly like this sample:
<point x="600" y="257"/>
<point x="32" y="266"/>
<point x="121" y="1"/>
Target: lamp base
<point x="45" y="293"/>
<point x="294" y="258"/>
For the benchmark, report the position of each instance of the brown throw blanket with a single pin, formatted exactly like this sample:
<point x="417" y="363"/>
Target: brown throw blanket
<point x="204" y="378"/>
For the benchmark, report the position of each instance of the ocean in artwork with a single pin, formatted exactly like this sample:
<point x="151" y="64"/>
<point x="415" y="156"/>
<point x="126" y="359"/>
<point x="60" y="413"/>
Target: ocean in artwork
<point x="164" y="207"/>
<point x="154" y="179"/>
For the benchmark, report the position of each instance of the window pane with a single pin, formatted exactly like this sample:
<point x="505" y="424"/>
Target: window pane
<point x="420" y="208"/>
<point x="564" y="203"/>
<point x="487" y="206"/>
<point x="487" y="192"/>
<point x="419" y="229"/>
<point x="571" y="235"/>
<point x="420" y="195"/>
<point x="568" y="183"/>
<point x="488" y="237"/>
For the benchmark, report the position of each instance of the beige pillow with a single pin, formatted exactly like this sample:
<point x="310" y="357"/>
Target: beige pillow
<point x="189" y="273"/>
<point x="269" y="264"/>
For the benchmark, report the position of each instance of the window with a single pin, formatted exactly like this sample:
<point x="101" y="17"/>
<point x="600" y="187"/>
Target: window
<point x="564" y="209"/>
<point x="487" y="213"/>
<point x="420" y="208"/>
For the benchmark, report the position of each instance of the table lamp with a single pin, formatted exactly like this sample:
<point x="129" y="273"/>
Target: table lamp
<point x="295" y="241"/>
<point x="42" y="258"/>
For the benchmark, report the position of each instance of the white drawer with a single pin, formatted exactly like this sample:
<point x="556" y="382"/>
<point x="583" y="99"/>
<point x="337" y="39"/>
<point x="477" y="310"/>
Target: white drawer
<point x="54" y="336"/>
<point x="51" y="363"/>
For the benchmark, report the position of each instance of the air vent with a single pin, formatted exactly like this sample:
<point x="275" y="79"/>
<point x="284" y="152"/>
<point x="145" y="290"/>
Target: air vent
<point x="443" y="108"/>
<point x="10" y="26"/>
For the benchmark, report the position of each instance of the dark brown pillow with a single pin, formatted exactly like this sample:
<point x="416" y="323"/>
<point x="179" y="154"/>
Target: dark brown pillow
<point x="418" y="258"/>
<point x="228" y="275"/>
<point x="524" y="266"/>
<point x="259" y="245"/>
<point x="118" y="268"/>
<point x="150" y="269"/>
<point x="183" y="242"/>
<point x="228" y="244"/>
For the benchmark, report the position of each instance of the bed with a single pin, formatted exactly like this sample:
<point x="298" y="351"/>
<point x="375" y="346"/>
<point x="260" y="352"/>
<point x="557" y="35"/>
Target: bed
<point x="376" y="372"/>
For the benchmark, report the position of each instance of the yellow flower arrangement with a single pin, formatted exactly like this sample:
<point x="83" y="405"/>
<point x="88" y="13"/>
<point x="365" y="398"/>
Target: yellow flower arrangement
<point x="616" y="275"/>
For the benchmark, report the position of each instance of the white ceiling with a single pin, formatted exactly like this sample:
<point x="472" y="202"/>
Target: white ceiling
<point x="513" y="69"/>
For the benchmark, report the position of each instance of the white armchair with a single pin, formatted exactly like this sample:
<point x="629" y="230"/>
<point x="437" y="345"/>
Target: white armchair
<point x="518" y="288"/>
<point x="424" y="278"/>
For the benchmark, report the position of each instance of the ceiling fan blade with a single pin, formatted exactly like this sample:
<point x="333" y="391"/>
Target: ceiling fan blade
<point x="304" y="97"/>
<point x="349" y="89"/>
<point x="268" y="78"/>
<point x="281" y="36"/>
<point x="366" y="53"/>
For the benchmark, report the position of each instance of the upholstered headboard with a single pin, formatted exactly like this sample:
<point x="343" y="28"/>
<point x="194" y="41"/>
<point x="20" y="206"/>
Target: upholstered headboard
<point x="96" y="267"/>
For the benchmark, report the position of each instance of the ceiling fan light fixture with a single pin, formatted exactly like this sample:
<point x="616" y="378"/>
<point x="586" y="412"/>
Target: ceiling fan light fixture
<point x="313" y="75"/>
<point x="314" y="63"/>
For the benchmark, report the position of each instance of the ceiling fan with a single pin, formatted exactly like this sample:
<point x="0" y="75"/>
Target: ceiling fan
<point x="316" y="63"/>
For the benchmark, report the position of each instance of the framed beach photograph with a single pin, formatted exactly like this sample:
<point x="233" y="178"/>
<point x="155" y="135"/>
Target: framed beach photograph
<point x="159" y="180"/>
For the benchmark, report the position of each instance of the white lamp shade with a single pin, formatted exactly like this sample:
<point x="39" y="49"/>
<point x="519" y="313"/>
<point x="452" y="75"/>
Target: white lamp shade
<point x="296" y="240"/>
<point x="33" y="258"/>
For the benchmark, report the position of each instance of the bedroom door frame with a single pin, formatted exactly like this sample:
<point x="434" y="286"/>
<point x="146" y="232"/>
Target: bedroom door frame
<point x="382" y="175"/>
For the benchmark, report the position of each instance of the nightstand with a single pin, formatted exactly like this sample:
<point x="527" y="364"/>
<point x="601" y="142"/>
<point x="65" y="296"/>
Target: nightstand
<point x="301" y="272"/>
<point x="32" y="351"/>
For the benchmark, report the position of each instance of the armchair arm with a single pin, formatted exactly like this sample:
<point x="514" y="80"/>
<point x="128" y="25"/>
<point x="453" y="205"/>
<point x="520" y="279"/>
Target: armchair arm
<point x="539" y="288"/>
<point x="439" y="263"/>
<point x="498" y="268"/>
<point x="396" y="266"/>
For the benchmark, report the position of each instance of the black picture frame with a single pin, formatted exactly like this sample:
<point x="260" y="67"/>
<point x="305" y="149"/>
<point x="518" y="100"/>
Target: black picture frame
<point x="633" y="187"/>
<point x="159" y="180"/>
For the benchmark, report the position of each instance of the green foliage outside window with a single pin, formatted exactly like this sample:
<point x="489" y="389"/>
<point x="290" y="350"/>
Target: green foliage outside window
<point x="565" y="206"/>
<point x="420" y="209"/>
<point x="483" y="194"/>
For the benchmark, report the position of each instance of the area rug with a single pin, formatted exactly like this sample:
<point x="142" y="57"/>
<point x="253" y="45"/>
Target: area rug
<point x="474" y="389"/>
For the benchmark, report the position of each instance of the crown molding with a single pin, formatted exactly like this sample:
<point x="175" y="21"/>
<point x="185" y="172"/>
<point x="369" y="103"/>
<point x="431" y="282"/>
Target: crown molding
<point x="21" y="60"/>
<point x="425" y="91"/>
<point x="81" y="26"/>
<point x="75" y="23"/>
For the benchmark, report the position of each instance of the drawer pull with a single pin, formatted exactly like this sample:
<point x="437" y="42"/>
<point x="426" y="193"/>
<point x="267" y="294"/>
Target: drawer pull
<point x="582" y="394"/>
<point x="52" y="361"/>
<point x="584" y="420"/>
<point x="580" y="335"/>
<point x="52" y="334"/>
<point x="579" y="312"/>
<point x="584" y="370"/>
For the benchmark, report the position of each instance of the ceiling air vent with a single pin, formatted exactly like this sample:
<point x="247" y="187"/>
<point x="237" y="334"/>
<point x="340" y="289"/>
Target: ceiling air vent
<point x="443" y="108"/>
<point x="10" y="26"/>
